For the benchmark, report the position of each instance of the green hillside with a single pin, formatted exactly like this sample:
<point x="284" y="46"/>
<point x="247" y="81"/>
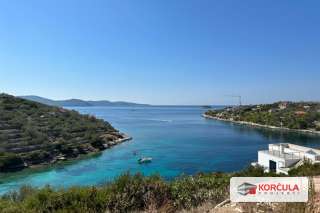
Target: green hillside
<point x="291" y="115"/>
<point x="32" y="133"/>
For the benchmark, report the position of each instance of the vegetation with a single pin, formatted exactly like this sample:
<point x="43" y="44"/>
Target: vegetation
<point x="127" y="193"/>
<point x="300" y="116"/>
<point x="306" y="169"/>
<point x="133" y="193"/>
<point x="32" y="133"/>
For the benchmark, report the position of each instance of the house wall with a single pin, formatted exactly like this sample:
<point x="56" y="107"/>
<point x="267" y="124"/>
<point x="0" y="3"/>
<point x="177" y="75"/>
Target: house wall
<point x="264" y="158"/>
<point x="311" y="157"/>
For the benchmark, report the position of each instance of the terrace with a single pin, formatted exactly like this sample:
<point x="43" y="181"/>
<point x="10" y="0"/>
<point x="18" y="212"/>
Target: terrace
<point x="286" y="156"/>
<point x="280" y="158"/>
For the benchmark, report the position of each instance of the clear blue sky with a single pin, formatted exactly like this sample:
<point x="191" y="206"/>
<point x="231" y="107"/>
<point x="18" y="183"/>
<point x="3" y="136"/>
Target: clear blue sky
<point x="161" y="51"/>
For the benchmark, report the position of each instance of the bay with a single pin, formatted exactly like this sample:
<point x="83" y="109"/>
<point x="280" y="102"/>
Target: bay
<point x="178" y="139"/>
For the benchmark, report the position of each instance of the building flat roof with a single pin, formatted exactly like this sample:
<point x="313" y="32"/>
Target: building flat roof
<point x="296" y="148"/>
<point x="285" y="156"/>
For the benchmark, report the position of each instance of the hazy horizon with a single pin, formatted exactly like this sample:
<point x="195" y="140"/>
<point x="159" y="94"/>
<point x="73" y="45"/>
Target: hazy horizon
<point x="235" y="104"/>
<point x="180" y="52"/>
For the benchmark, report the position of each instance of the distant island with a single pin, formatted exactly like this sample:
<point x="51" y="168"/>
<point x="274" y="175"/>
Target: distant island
<point x="32" y="133"/>
<point x="78" y="102"/>
<point x="301" y="116"/>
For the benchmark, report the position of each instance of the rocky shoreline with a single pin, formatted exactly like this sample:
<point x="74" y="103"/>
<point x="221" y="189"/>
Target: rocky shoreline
<point x="118" y="138"/>
<point x="261" y="125"/>
<point x="122" y="138"/>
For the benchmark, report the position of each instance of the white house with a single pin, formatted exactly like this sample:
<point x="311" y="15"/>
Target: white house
<point x="280" y="158"/>
<point x="283" y="105"/>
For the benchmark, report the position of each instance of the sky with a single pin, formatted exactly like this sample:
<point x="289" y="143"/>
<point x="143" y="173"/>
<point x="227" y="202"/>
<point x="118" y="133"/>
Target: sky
<point x="161" y="51"/>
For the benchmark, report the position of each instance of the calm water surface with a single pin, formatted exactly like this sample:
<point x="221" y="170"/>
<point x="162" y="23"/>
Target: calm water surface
<point x="177" y="138"/>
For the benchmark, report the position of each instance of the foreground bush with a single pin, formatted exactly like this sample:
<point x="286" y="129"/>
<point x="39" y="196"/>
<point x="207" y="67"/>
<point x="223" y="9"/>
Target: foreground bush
<point x="127" y="193"/>
<point x="133" y="193"/>
<point x="137" y="193"/>
<point x="191" y="191"/>
<point x="306" y="169"/>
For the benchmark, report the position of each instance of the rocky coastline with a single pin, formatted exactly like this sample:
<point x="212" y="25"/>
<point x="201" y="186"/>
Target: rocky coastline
<point x="261" y="125"/>
<point x="118" y="139"/>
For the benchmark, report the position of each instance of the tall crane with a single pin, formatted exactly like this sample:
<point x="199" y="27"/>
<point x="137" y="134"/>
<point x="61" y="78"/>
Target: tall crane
<point x="237" y="96"/>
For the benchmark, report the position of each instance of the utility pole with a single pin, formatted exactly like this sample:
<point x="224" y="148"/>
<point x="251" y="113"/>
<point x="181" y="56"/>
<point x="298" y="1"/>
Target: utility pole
<point x="237" y="96"/>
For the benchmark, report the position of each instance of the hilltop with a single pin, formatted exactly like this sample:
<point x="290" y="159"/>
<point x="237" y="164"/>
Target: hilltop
<point x="78" y="102"/>
<point x="32" y="133"/>
<point x="303" y="116"/>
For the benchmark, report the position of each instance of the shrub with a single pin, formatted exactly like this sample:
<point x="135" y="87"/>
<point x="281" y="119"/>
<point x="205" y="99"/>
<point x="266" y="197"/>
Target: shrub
<point x="126" y="194"/>
<point x="10" y="161"/>
<point x="255" y="171"/>
<point x="37" y="156"/>
<point x="192" y="191"/>
<point x="307" y="169"/>
<point x="134" y="193"/>
<point x="137" y="192"/>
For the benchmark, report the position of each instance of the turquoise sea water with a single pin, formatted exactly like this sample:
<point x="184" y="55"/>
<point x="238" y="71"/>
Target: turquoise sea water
<point x="177" y="138"/>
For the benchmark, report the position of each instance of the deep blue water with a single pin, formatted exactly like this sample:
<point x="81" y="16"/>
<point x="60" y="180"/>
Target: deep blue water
<point x="177" y="138"/>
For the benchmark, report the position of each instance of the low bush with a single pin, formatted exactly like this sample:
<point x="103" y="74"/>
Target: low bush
<point x="306" y="169"/>
<point x="10" y="161"/>
<point x="192" y="191"/>
<point x="133" y="193"/>
<point x="127" y="193"/>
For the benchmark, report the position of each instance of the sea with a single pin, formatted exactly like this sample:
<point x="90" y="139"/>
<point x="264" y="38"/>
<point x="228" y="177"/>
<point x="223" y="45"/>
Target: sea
<point x="177" y="138"/>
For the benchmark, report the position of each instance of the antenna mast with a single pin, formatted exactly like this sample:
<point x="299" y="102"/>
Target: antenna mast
<point x="237" y="96"/>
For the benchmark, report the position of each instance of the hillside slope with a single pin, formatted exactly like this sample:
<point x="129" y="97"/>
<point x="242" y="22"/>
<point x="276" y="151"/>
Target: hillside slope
<point x="32" y="133"/>
<point x="304" y="116"/>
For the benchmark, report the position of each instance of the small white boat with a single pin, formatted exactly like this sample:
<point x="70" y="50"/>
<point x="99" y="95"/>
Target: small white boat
<point x="145" y="160"/>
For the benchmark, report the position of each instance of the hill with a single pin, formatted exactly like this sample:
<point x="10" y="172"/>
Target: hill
<point x="32" y="133"/>
<point x="78" y="102"/>
<point x="304" y="116"/>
